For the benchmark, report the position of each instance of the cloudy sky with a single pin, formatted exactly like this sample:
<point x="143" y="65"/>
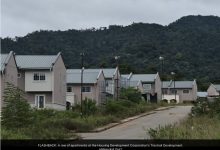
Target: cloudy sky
<point x="19" y="17"/>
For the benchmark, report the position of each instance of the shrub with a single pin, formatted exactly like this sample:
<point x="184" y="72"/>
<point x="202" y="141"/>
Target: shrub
<point x="88" y="107"/>
<point x="131" y="94"/>
<point x="200" y="107"/>
<point x="114" y="107"/>
<point x="16" y="112"/>
<point x="173" y="101"/>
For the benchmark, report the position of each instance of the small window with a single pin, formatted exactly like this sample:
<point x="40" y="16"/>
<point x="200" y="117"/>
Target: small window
<point x="69" y="89"/>
<point x="39" y="76"/>
<point x="173" y="91"/>
<point x="36" y="76"/>
<point x="19" y="75"/>
<point x="164" y="91"/>
<point x="86" y="89"/>
<point x="42" y="76"/>
<point x="185" y="91"/>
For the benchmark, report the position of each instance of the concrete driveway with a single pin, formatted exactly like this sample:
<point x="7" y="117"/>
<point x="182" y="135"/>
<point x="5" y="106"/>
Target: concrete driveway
<point x="137" y="129"/>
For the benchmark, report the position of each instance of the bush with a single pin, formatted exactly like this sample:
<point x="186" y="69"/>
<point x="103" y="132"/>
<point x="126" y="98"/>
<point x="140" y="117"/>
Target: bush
<point x="114" y="107"/>
<point x="16" y="112"/>
<point x="200" y="107"/>
<point x="88" y="107"/>
<point x="173" y="101"/>
<point x="131" y="94"/>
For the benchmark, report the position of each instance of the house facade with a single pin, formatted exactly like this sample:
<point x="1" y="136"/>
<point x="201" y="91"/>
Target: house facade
<point x="43" y="78"/>
<point x="213" y="90"/>
<point x="148" y="84"/>
<point x="8" y="73"/>
<point x="180" y="90"/>
<point x="93" y="85"/>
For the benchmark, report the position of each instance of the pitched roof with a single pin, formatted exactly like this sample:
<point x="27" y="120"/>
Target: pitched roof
<point x="125" y="76"/>
<point x="178" y="84"/>
<point x="35" y="61"/>
<point x="143" y="77"/>
<point x="108" y="72"/>
<point x="217" y="87"/>
<point x="89" y="76"/>
<point x="4" y="58"/>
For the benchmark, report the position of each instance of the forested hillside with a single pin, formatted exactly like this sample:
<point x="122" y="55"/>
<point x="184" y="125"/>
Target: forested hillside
<point x="190" y="46"/>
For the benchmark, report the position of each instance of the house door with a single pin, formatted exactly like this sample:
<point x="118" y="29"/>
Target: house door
<point x="153" y="98"/>
<point x="40" y="101"/>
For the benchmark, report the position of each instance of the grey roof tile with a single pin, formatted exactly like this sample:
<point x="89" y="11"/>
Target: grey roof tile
<point x="89" y="76"/>
<point x="217" y="87"/>
<point x="35" y="61"/>
<point x="143" y="77"/>
<point x="178" y="84"/>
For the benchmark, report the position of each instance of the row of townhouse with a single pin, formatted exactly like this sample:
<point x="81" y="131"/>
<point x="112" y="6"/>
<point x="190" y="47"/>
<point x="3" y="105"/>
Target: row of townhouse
<point x="154" y="90"/>
<point x="98" y="84"/>
<point x="48" y="84"/>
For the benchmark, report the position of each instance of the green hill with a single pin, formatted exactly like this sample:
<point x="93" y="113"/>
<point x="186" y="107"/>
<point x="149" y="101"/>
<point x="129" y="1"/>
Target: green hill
<point x="190" y="46"/>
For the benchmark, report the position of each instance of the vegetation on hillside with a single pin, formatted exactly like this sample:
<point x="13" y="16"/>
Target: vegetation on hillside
<point x="189" y="45"/>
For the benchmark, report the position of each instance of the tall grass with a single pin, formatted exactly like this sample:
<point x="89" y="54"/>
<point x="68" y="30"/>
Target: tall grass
<point x="204" y="123"/>
<point x="202" y="127"/>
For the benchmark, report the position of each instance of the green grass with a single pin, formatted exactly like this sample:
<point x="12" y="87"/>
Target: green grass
<point x="52" y="124"/>
<point x="202" y="127"/>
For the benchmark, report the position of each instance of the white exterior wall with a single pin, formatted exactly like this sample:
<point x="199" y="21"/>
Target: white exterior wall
<point x="45" y="85"/>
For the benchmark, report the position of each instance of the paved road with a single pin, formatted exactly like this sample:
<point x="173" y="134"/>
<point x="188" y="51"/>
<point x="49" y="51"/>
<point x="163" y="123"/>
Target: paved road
<point x="137" y="129"/>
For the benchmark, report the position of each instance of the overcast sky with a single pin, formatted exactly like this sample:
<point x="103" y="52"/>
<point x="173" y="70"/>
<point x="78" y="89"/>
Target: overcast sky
<point x="19" y="17"/>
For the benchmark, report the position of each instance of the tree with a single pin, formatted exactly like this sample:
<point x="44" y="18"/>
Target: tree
<point x="16" y="111"/>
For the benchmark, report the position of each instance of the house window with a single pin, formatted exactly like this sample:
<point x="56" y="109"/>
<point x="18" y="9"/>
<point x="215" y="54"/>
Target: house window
<point x="69" y="89"/>
<point x="19" y="75"/>
<point x="185" y="91"/>
<point x="86" y="89"/>
<point x="164" y="91"/>
<point x="42" y="76"/>
<point x="40" y="101"/>
<point x="173" y="91"/>
<point x="39" y="76"/>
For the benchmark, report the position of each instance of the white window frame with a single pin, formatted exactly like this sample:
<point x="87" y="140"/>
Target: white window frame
<point x="87" y="87"/>
<point x="39" y="74"/>
<point x="37" y="100"/>
<point x="185" y="92"/>
<point x="71" y="89"/>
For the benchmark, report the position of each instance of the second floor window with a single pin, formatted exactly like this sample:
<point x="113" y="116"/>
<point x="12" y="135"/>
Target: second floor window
<point x="69" y="89"/>
<point x="86" y="89"/>
<point x="39" y="76"/>
<point x="185" y="91"/>
<point x="173" y="91"/>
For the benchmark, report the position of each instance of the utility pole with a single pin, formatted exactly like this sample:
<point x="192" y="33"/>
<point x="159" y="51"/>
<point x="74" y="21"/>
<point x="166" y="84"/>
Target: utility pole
<point x="174" y="86"/>
<point x="82" y="69"/>
<point x="117" y="87"/>
<point x="162" y="62"/>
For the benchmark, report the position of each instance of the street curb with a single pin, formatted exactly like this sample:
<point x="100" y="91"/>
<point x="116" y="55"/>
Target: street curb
<point x="111" y="125"/>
